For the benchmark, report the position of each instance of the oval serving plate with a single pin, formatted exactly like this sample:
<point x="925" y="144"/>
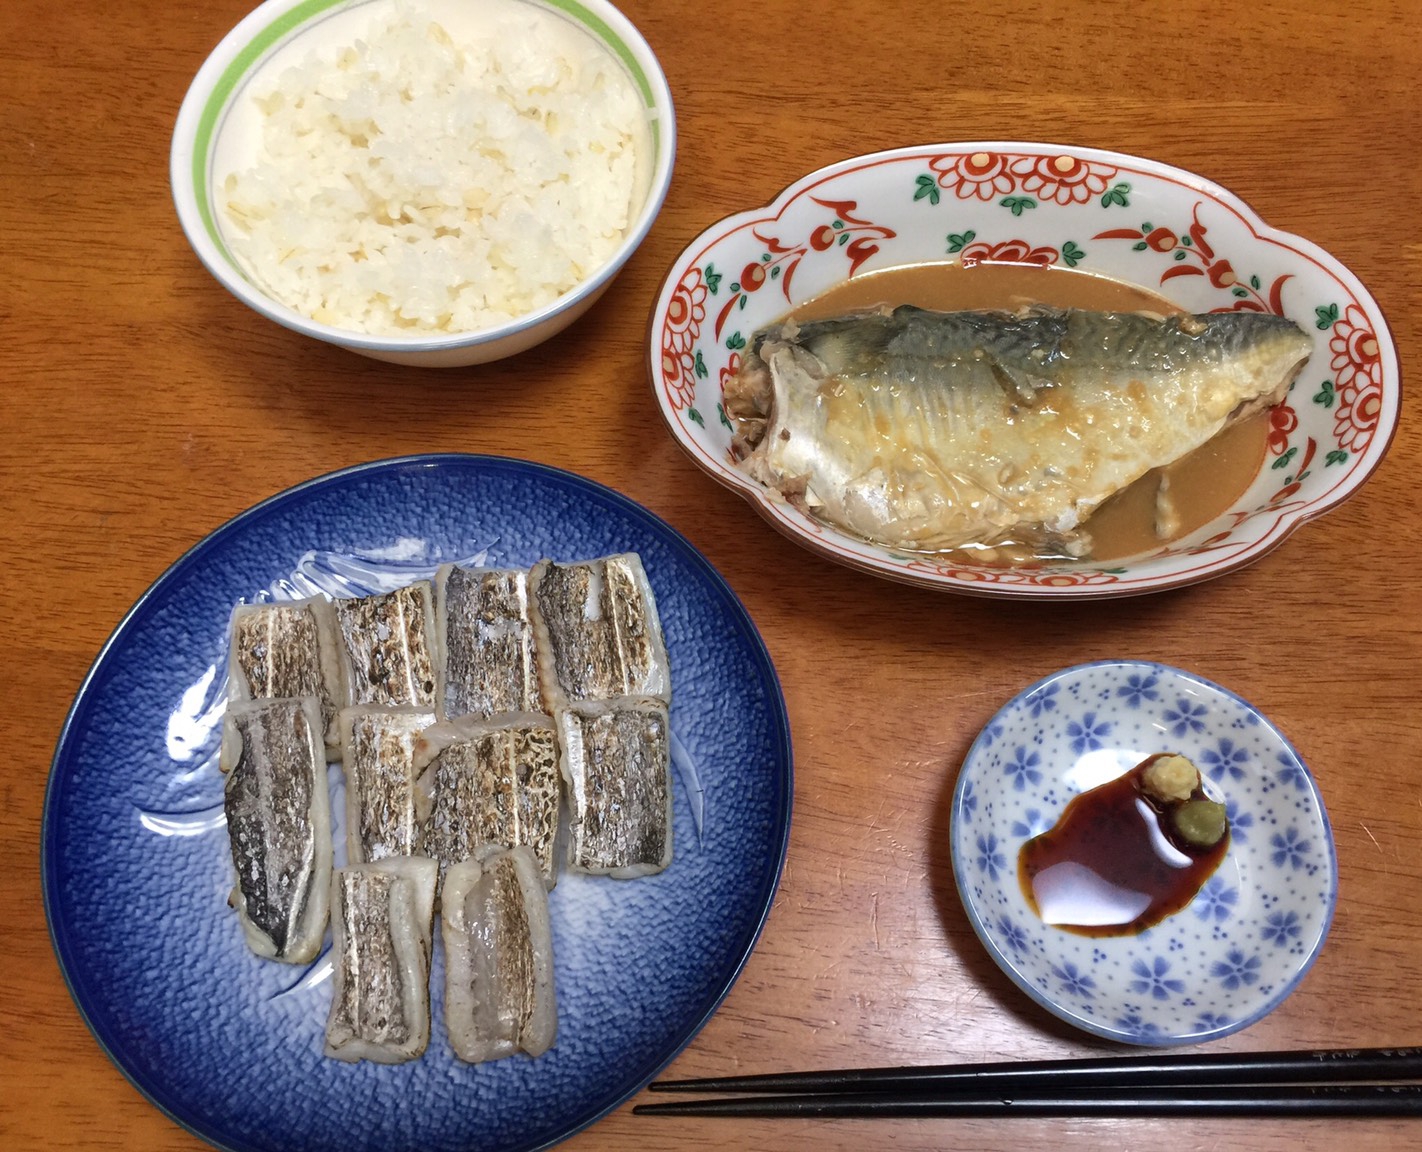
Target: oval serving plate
<point x="1251" y="933"/>
<point x="1102" y="212"/>
<point x="136" y="867"/>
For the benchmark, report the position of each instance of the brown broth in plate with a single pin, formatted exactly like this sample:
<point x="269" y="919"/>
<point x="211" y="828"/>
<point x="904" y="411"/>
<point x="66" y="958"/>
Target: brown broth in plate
<point x="1201" y="486"/>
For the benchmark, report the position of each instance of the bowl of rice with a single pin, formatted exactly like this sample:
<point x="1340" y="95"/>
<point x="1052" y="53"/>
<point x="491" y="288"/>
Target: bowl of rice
<point x="431" y="182"/>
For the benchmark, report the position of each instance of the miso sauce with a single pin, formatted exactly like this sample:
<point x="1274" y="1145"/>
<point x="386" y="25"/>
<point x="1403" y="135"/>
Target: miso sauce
<point x="1201" y="486"/>
<point x="1112" y="866"/>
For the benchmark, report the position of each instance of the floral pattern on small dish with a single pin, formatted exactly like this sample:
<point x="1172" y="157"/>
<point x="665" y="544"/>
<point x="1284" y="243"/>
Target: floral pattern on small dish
<point x="1240" y="946"/>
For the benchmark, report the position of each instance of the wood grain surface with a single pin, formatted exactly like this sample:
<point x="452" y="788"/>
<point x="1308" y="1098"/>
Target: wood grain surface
<point x="141" y="407"/>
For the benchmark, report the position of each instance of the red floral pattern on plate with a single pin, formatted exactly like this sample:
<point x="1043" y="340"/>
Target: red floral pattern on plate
<point x="1193" y="256"/>
<point x="684" y="316"/>
<point x="729" y="372"/>
<point x="1283" y="420"/>
<point x="1063" y="179"/>
<point x="854" y="236"/>
<point x="1037" y="577"/>
<point x="1009" y="252"/>
<point x="1357" y="367"/>
<point x="979" y="175"/>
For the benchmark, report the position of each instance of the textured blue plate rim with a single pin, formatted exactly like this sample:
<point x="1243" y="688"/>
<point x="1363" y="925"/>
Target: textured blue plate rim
<point x="989" y="941"/>
<point x="219" y="537"/>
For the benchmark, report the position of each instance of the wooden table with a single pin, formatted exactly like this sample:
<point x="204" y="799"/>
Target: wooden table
<point x="142" y="407"/>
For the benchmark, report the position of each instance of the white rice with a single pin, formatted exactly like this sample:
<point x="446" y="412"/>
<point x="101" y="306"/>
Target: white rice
<point x="409" y="183"/>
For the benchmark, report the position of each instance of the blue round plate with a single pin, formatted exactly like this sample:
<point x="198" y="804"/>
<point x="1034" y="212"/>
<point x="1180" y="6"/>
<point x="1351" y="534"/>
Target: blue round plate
<point x="136" y="867"/>
<point x="1245" y="941"/>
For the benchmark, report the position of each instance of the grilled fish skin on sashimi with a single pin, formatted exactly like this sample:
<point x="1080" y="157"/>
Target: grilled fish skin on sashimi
<point x="288" y="649"/>
<point x="278" y="824"/>
<point x="382" y="925"/>
<point x="499" y="992"/>
<point x="616" y="761"/>
<point x="485" y="782"/>
<point x="390" y="646"/>
<point x="597" y="630"/>
<point x="935" y="430"/>
<point x="485" y="640"/>
<point x="378" y="761"/>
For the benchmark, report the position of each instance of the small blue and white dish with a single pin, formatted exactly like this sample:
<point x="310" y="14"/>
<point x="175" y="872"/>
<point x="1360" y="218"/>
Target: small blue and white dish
<point x="1245" y="941"/>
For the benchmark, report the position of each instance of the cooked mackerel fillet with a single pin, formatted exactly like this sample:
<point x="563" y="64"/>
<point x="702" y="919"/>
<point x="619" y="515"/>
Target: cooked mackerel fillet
<point x="498" y="949"/>
<point x="486" y="782"/>
<point x="616" y="768"/>
<point x="598" y="632"/>
<point x="928" y="431"/>
<point x="382" y="923"/>
<point x="486" y="640"/>
<point x="378" y="759"/>
<point x="287" y="649"/>
<point x="278" y="824"/>
<point x="389" y="645"/>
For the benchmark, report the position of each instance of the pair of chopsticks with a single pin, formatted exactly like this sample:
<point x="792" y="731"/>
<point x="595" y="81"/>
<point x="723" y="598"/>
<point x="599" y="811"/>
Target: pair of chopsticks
<point x="1338" y="1082"/>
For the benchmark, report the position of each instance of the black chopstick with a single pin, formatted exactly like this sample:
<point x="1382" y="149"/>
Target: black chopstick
<point x="1275" y="1100"/>
<point x="1329" y="1082"/>
<point x="1341" y="1065"/>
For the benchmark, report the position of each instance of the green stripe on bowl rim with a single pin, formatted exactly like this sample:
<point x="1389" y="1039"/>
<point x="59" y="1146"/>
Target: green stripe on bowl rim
<point x="237" y="72"/>
<point x="596" y="25"/>
<point x="599" y="27"/>
<point x="231" y="79"/>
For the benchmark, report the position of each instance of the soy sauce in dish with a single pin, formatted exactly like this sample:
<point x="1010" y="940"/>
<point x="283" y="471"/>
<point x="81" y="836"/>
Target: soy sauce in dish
<point x="1203" y="485"/>
<point x="1115" y="863"/>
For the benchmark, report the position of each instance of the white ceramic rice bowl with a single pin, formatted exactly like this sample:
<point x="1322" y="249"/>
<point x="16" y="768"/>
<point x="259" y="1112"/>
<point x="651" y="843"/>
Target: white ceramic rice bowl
<point x="281" y="27"/>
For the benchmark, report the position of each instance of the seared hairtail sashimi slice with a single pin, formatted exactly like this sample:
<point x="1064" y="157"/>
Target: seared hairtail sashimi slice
<point x="489" y="782"/>
<point x="390" y="646"/>
<point x="498" y="948"/>
<point x="382" y="925"/>
<point x="598" y="632"/>
<point x="378" y="759"/>
<point x="278" y="824"/>
<point x="616" y="766"/>
<point x="486" y="640"/>
<point x="934" y="430"/>
<point x="287" y="649"/>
